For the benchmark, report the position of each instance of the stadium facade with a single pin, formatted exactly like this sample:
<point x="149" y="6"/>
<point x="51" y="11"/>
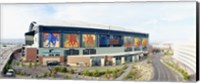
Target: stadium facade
<point x="88" y="46"/>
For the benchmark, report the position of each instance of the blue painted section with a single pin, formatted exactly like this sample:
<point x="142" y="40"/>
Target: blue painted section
<point x="51" y="39"/>
<point x="81" y="30"/>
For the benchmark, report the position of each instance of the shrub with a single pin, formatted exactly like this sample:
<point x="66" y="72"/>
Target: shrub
<point x="86" y="72"/>
<point x="17" y="63"/>
<point x="107" y="71"/>
<point x="64" y="69"/>
<point x="8" y="67"/>
<point x="30" y="64"/>
<point x="186" y="77"/>
<point x="36" y="76"/>
<point x="71" y="71"/>
<point x="22" y="63"/>
<point x="96" y="73"/>
<point x="67" y="77"/>
<point x="51" y="74"/>
<point x="124" y="67"/>
<point x="114" y="75"/>
<point x="14" y="62"/>
<point x="58" y="68"/>
<point x="35" y="64"/>
<point x="22" y="73"/>
<point x="45" y="74"/>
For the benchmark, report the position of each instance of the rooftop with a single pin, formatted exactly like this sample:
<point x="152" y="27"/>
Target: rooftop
<point x="83" y="24"/>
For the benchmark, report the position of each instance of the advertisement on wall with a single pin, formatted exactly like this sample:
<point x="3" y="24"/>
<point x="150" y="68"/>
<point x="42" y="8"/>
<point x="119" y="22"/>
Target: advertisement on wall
<point x="137" y="41"/>
<point x="128" y="41"/>
<point x="144" y="42"/>
<point x="71" y="40"/>
<point x="104" y="40"/>
<point x="107" y="40"/>
<point x="89" y="40"/>
<point x="51" y="39"/>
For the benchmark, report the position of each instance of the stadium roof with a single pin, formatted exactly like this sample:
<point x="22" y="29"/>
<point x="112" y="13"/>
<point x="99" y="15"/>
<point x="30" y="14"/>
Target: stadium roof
<point x="86" y="24"/>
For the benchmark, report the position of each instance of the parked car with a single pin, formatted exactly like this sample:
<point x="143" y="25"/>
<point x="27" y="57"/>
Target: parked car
<point x="10" y="73"/>
<point x="53" y="63"/>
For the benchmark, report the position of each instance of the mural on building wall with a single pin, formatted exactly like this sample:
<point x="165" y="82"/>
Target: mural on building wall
<point x="89" y="40"/>
<point x="51" y="39"/>
<point x="128" y="41"/>
<point x="71" y="40"/>
<point x="107" y="40"/>
<point x="104" y="40"/>
<point x="115" y="40"/>
<point x="137" y="41"/>
<point x="144" y="42"/>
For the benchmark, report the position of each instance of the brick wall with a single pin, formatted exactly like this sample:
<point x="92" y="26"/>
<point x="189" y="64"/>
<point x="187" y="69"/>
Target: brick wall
<point x="31" y="54"/>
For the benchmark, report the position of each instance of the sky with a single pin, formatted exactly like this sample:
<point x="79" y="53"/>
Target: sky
<point x="164" y="21"/>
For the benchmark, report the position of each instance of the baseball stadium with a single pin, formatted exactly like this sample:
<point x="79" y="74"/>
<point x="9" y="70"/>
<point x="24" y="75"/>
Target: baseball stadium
<point x="76" y="45"/>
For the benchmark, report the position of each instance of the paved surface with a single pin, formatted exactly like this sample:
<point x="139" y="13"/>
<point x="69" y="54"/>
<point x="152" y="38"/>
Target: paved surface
<point x="162" y="72"/>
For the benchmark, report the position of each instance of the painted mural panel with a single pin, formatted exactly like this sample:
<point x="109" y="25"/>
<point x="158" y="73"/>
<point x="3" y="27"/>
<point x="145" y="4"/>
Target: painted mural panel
<point x="107" y="40"/>
<point x="71" y="40"/>
<point x="137" y="41"/>
<point x="128" y="41"/>
<point x="104" y="40"/>
<point x="116" y="40"/>
<point x="89" y="40"/>
<point x="51" y="39"/>
<point x="144" y="42"/>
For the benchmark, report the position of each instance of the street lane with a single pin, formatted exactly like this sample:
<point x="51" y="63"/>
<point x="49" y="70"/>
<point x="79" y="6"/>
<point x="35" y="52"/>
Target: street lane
<point x="162" y="72"/>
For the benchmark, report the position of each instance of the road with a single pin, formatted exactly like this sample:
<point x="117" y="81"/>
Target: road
<point x="162" y="72"/>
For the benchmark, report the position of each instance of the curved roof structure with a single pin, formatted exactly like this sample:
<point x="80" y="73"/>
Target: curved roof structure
<point x="85" y="24"/>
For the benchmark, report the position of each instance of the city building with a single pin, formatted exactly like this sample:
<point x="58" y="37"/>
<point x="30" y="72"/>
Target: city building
<point x="86" y="45"/>
<point x="185" y="57"/>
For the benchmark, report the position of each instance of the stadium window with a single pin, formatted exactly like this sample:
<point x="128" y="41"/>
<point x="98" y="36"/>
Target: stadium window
<point x="75" y="52"/>
<point x="85" y="52"/>
<point x="144" y="48"/>
<point x="57" y="54"/>
<point x="92" y="51"/>
<point x="72" y="52"/>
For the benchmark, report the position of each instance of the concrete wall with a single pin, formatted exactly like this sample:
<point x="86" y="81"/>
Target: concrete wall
<point x="99" y="50"/>
<point x="73" y="60"/>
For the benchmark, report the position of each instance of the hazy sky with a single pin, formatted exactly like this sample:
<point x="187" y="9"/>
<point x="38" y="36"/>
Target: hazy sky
<point x="166" y="21"/>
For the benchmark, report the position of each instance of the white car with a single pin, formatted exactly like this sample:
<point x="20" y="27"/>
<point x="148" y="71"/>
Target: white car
<point x="10" y="73"/>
